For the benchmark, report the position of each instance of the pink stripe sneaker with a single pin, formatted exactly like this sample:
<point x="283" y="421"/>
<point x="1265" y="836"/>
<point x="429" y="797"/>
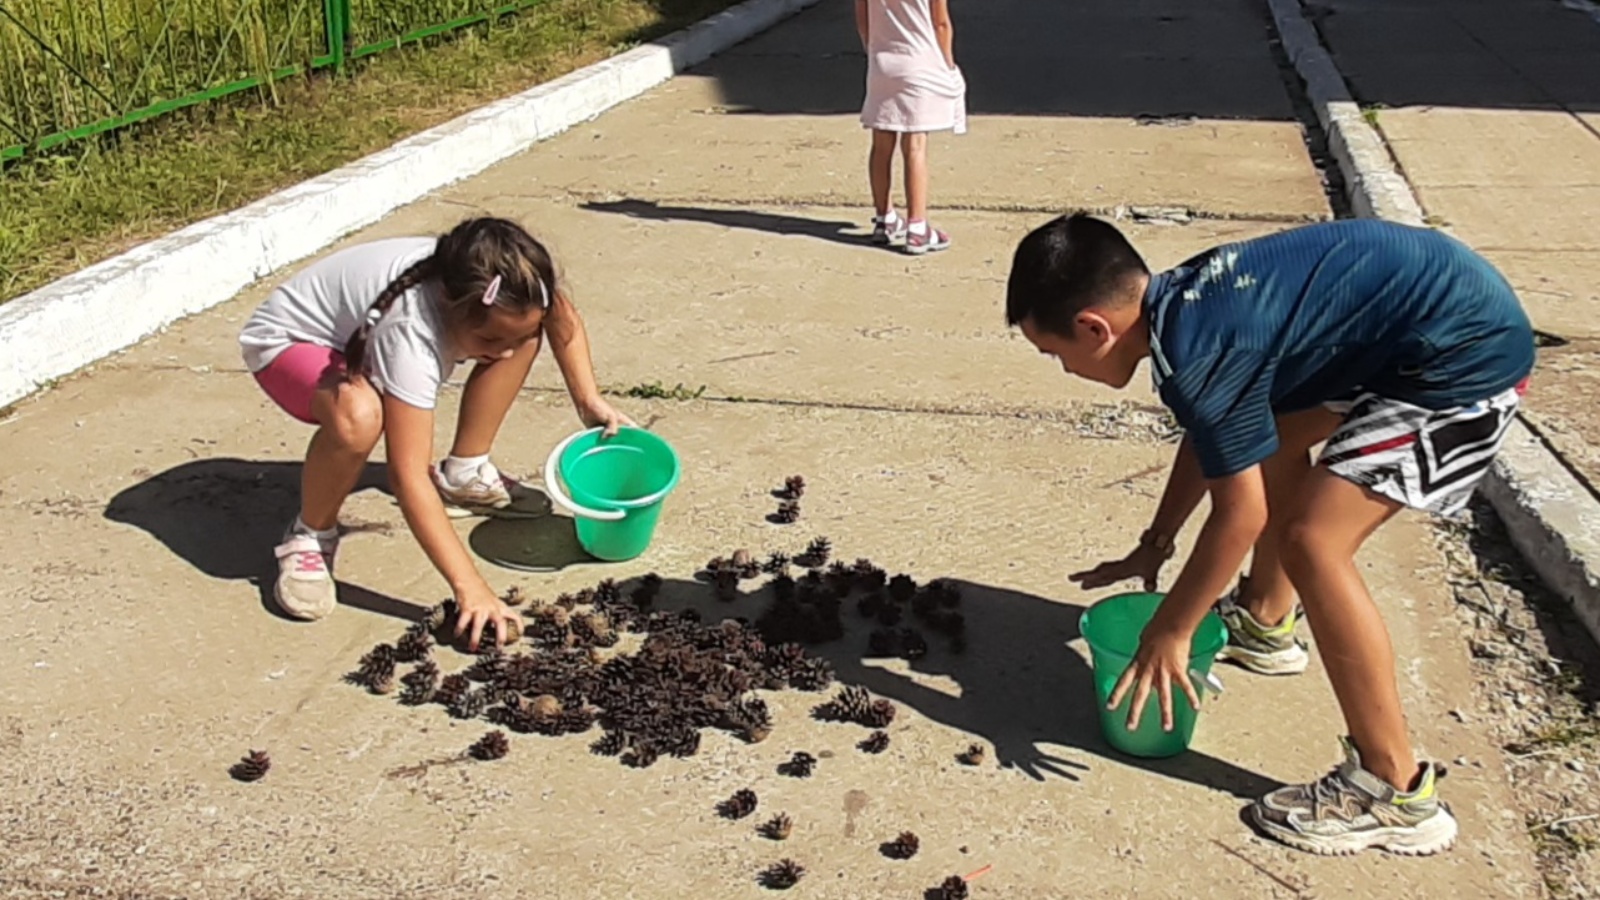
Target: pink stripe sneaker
<point x="305" y="588"/>
<point x="928" y="242"/>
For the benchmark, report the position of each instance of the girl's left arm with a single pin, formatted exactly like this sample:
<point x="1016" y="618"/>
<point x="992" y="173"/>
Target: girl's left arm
<point x="862" y="20"/>
<point x="945" y="30"/>
<point x="569" y="341"/>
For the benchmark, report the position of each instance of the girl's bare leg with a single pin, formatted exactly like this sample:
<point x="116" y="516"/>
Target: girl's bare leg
<point x="880" y="170"/>
<point x="914" y="147"/>
<point x="490" y="391"/>
<point x="350" y="414"/>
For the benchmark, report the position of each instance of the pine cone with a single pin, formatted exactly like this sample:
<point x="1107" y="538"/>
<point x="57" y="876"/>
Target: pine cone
<point x="451" y="689"/>
<point x="472" y="704"/>
<point x="972" y="756"/>
<point x="490" y="666"/>
<point x="889" y="615"/>
<point x="953" y="888"/>
<point x="607" y="591"/>
<point x="685" y="743"/>
<point x="794" y="487"/>
<point x="642" y="757"/>
<point x="868" y="576"/>
<point x="776" y="563"/>
<point x="877" y="742"/>
<point x="745" y="564"/>
<point x="752" y="719"/>
<point x="902" y="588"/>
<point x="514" y="596"/>
<point x="383" y="682"/>
<point x="612" y="743"/>
<point x="813" y="674"/>
<point x="879" y="715"/>
<point x="817" y="552"/>
<point x="782" y="875"/>
<point x="850" y="705"/>
<point x="645" y="594"/>
<point x="435" y="617"/>
<point x="801" y="765"/>
<point x="420" y="683"/>
<point x="741" y="804"/>
<point x="251" y="767"/>
<point x="415" y="644"/>
<point x="903" y="847"/>
<point x="788" y="512"/>
<point x="594" y="629"/>
<point x="491" y="746"/>
<point x="912" y="644"/>
<point x="727" y="581"/>
<point x="777" y="828"/>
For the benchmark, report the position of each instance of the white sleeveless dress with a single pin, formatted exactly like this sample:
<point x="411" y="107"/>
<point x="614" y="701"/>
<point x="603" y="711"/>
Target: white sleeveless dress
<point x="909" y="87"/>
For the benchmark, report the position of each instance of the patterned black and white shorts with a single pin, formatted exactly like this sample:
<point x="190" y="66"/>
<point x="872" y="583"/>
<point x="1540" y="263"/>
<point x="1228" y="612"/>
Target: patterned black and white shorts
<point x="1426" y="459"/>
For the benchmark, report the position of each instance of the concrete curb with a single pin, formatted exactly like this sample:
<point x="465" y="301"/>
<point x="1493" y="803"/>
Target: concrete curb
<point x="1553" y="520"/>
<point x="91" y="314"/>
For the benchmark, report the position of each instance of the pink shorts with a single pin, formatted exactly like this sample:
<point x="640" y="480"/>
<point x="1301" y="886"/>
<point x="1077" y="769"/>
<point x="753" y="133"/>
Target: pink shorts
<point x="294" y="375"/>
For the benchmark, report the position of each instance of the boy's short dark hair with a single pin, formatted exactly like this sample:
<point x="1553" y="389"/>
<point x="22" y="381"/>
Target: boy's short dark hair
<point x="1068" y="265"/>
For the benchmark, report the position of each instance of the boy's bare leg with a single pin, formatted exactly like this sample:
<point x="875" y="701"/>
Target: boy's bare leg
<point x="880" y="169"/>
<point x="1267" y="593"/>
<point x="1318" y="547"/>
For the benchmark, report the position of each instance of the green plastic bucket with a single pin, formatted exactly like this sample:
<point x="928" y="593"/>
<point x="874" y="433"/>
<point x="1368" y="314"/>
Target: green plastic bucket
<point x="614" y="487"/>
<point x="1112" y="628"/>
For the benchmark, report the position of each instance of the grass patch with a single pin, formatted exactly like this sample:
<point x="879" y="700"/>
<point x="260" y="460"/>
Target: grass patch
<point x="94" y="199"/>
<point x="657" y="391"/>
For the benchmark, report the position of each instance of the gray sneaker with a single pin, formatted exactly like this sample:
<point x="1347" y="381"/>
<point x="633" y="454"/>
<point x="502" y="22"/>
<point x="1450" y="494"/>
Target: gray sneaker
<point x="885" y="233"/>
<point x="305" y="589"/>
<point x="490" y="493"/>
<point x="1263" y="649"/>
<point x="1351" y="810"/>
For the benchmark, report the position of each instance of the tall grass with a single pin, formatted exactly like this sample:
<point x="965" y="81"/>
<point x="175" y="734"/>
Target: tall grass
<point x="87" y="200"/>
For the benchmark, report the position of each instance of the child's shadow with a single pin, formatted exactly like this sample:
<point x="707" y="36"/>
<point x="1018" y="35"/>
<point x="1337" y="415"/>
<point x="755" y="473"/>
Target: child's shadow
<point x="1017" y="684"/>
<point x="772" y="223"/>
<point x="225" y="515"/>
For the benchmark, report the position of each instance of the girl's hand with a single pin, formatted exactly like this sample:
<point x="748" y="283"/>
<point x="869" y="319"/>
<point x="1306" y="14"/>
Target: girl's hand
<point x="479" y="607"/>
<point x="1163" y="659"/>
<point x="1144" y="563"/>
<point x="596" y="412"/>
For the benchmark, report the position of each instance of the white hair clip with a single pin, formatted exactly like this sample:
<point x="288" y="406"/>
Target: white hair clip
<point x="491" y="292"/>
<point x="544" y="293"/>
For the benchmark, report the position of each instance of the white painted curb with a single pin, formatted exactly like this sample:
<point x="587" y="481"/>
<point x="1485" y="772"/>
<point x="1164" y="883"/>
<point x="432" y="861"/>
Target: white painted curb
<point x="1552" y="518"/>
<point x="91" y="314"/>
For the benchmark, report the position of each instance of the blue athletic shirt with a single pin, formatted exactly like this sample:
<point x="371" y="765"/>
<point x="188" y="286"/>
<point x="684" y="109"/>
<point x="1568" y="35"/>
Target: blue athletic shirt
<point x="1319" y="313"/>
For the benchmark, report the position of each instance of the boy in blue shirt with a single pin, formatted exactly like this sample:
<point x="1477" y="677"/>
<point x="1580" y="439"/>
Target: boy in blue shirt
<point x="1401" y="349"/>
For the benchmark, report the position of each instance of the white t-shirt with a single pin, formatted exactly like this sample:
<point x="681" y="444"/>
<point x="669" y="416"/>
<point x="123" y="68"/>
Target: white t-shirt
<point x="408" y="353"/>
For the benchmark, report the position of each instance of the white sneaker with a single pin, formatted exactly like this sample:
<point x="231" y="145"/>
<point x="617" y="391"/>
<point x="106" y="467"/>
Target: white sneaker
<point x="489" y="493"/>
<point x="305" y="588"/>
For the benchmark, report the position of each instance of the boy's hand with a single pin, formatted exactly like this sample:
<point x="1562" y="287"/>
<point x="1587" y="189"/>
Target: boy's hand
<point x="1144" y="563"/>
<point x="1163" y="659"/>
<point x="596" y="412"/>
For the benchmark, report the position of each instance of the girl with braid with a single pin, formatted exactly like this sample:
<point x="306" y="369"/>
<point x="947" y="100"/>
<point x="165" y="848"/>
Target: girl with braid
<point x="359" y="343"/>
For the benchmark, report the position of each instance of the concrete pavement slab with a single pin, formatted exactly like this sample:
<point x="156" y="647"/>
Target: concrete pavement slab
<point x="346" y="812"/>
<point x="1564" y="218"/>
<point x="1451" y="147"/>
<point x="786" y="291"/>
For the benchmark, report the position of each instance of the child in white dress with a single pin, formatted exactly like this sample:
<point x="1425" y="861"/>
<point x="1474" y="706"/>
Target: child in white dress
<point x="913" y="87"/>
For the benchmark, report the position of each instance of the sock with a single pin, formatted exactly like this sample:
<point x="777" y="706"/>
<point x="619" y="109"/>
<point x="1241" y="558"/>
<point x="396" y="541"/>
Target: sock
<point x="919" y="227"/>
<point x="889" y="218"/>
<point x="300" y="527"/>
<point x="459" y="470"/>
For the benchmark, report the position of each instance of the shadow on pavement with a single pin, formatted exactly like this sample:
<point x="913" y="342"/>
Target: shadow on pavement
<point x="224" y="516"/>
<point x="836" y="231"/>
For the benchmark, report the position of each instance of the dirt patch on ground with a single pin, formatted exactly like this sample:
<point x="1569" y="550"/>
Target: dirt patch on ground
<point x="1538" y="678"/>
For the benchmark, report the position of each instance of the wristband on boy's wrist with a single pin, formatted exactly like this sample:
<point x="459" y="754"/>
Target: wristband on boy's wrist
<point x="1162" y="542"/>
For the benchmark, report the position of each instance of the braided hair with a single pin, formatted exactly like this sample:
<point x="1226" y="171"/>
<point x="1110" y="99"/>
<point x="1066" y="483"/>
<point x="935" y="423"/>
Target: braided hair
<point x="483" y="258"/>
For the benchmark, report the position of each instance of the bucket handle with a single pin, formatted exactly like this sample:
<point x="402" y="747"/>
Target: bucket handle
<point x="552" y="485"/>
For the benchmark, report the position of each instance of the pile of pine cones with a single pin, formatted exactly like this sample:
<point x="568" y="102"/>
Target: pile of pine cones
<point x="686" y="676"/>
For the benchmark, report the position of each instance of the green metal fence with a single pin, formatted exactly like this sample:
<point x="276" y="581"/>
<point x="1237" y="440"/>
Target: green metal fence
<point x="70" y="69"/>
